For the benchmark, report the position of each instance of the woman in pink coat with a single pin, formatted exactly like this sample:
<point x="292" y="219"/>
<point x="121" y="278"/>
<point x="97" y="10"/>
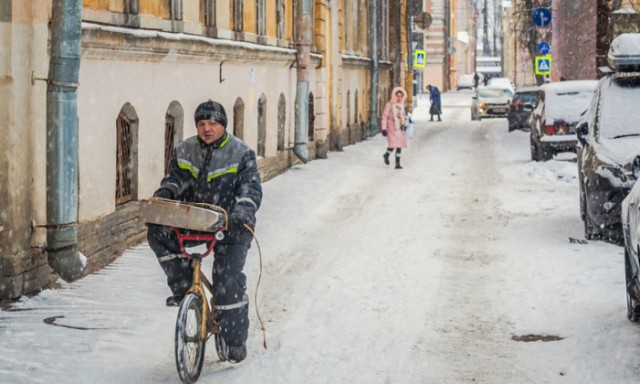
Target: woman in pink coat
<point x="393" y="118"/>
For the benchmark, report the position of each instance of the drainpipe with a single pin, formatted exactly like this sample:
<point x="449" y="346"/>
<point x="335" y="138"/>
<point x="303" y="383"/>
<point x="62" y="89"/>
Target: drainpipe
<point x="303" y="48"/>
<point x="62" y="137"/>
<point x="374" y="66"/>
<point x="398" y="62"/>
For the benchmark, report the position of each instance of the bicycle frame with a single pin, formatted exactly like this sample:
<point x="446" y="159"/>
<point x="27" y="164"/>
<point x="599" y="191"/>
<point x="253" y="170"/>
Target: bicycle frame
<point x="200" y="280"/>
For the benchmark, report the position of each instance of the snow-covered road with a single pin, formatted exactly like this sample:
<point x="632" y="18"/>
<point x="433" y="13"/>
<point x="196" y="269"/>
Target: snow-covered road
<point x="429" y="274"/>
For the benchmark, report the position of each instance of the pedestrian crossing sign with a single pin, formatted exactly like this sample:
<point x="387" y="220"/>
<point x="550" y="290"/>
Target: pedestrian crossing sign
<point x="543" y="65"/>
<point x="420" y="58"/>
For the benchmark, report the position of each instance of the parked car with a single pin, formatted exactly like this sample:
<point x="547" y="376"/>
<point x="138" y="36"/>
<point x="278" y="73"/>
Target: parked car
<point x="630" y="215"/>
<point x="609" y="146"/>
<point x="465" y="82"/>
<point x="521" y="106"/>
<point x="490" y="102"/>
<point x="553" y="121"/>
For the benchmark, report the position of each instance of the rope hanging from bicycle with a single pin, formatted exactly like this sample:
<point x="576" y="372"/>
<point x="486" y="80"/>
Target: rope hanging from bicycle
<point x="255" y="299"/>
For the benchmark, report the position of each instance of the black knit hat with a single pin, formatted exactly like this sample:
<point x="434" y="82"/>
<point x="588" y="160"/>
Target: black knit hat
<point x="211" y="110"/>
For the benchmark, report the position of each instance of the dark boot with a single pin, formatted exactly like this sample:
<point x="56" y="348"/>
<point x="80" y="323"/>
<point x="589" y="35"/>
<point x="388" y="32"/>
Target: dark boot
<point x="398" y="166"/>
<point x="386" y="158"/>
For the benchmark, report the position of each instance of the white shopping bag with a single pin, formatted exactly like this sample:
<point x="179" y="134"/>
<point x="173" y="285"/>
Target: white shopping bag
<point x="410" y="129"/>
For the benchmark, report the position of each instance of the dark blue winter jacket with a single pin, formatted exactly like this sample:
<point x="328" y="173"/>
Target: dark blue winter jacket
<point x="223" y="173"/>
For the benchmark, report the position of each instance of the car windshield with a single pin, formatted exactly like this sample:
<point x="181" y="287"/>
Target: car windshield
<point x="494" y="92"/>
<point x="618" y="116"/>
<point x="567" y="104"/>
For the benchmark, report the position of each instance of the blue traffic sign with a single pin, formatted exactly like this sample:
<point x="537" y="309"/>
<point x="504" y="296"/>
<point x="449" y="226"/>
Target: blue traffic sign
<point x="543" y="65"/>
<point x="542" y="17"/>
<point x="544" y="48"/>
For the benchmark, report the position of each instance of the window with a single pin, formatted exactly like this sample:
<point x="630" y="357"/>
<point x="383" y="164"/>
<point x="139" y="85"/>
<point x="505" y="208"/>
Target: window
<point x="282" y="119"/>
<point x="208" y="12"/>
<point x="237" y="15"/>
<point x="280" y="20"/>
<point x="262" y="125"/>
<point x="262" y="15"/>
<point x="238" y="118"/>
<point x="347" y="24"/>
<point x="173" y="123"/>
<point x="126" y="155"/>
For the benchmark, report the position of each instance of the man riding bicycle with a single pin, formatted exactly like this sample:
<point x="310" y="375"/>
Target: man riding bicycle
<point x="213" y="167"/>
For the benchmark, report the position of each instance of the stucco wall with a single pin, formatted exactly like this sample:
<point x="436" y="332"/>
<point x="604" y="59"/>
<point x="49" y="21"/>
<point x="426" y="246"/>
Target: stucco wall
<point x="106" y="85"/>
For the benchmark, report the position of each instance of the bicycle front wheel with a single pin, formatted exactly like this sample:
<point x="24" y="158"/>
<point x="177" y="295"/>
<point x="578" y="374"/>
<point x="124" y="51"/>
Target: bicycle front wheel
<point x="189" y="346"/>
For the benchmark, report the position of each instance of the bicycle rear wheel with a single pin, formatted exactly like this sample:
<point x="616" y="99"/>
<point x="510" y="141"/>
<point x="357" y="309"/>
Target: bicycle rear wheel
<point x="189" y="347"/>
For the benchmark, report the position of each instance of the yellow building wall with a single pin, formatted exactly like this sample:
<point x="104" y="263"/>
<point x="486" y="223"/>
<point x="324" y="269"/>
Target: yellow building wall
<point x="97" y="4"/>
<point x="192" y="11"/>
<point x="272" y="26"/>
<point x="159" y="8"/>
<point x="249" y="16"/>
<point x="289" y="16"/>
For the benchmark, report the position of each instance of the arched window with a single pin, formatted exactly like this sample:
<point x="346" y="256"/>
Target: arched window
<point x="312" y="117"/>
<point x="348" y="108"/>
<point x="262" y="125"/>
<point x="127" y="155"/>
<point x="355" y="107"/>
<point x="238" y="118"/>
<point x="173" y="123"/>
<point x="282" y="119"/>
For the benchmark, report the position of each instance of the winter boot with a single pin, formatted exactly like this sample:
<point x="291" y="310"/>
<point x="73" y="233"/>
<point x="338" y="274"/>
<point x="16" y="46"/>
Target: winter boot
<point x="386" y="158"/>
<point x="174" y="300"/>
<point x="398" y="166"/>
<point x="237" y="353"/>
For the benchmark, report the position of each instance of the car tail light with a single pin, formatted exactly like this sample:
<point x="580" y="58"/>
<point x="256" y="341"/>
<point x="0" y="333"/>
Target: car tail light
<point x="548" y="129"/>
<point x="516" y="105"/>
<point x="560" y="127"/>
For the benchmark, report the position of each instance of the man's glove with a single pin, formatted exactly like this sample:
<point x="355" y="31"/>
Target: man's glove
<point x="163" y="193"/>
<point x="238" y="219"/>
<point x="384" y="132"/>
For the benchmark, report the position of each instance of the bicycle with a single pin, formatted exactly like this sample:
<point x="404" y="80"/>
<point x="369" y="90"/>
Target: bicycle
<point x="196" y="321"/>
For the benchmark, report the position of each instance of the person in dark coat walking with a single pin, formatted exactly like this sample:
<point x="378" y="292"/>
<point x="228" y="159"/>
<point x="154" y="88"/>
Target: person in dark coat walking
<point x="436" y="106"/>
<point x="217" y="168"/>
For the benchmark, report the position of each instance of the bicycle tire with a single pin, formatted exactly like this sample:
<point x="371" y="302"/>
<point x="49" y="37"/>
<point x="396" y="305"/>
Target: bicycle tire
<point x="189" y="349"/>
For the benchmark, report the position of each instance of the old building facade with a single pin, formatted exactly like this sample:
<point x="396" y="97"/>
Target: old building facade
<point x="145" y="66"/>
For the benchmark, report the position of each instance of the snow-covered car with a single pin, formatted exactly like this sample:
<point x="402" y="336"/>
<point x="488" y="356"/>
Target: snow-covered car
<point x="553" y="121"/>
<point x="521" y="106"/>
<point x="504" y="82"/>
<point x="608" y="147"/>
<point x="465" y="82"/>
<point x="490" y="101"/>
<point x="630" y="215"/>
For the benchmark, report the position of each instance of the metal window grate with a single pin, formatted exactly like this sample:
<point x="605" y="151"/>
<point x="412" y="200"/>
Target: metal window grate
<point x="123" y="160"/>
<point x="169" y="134"/>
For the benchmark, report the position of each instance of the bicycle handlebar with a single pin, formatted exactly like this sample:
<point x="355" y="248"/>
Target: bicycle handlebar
<point x="209" y="238"/>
